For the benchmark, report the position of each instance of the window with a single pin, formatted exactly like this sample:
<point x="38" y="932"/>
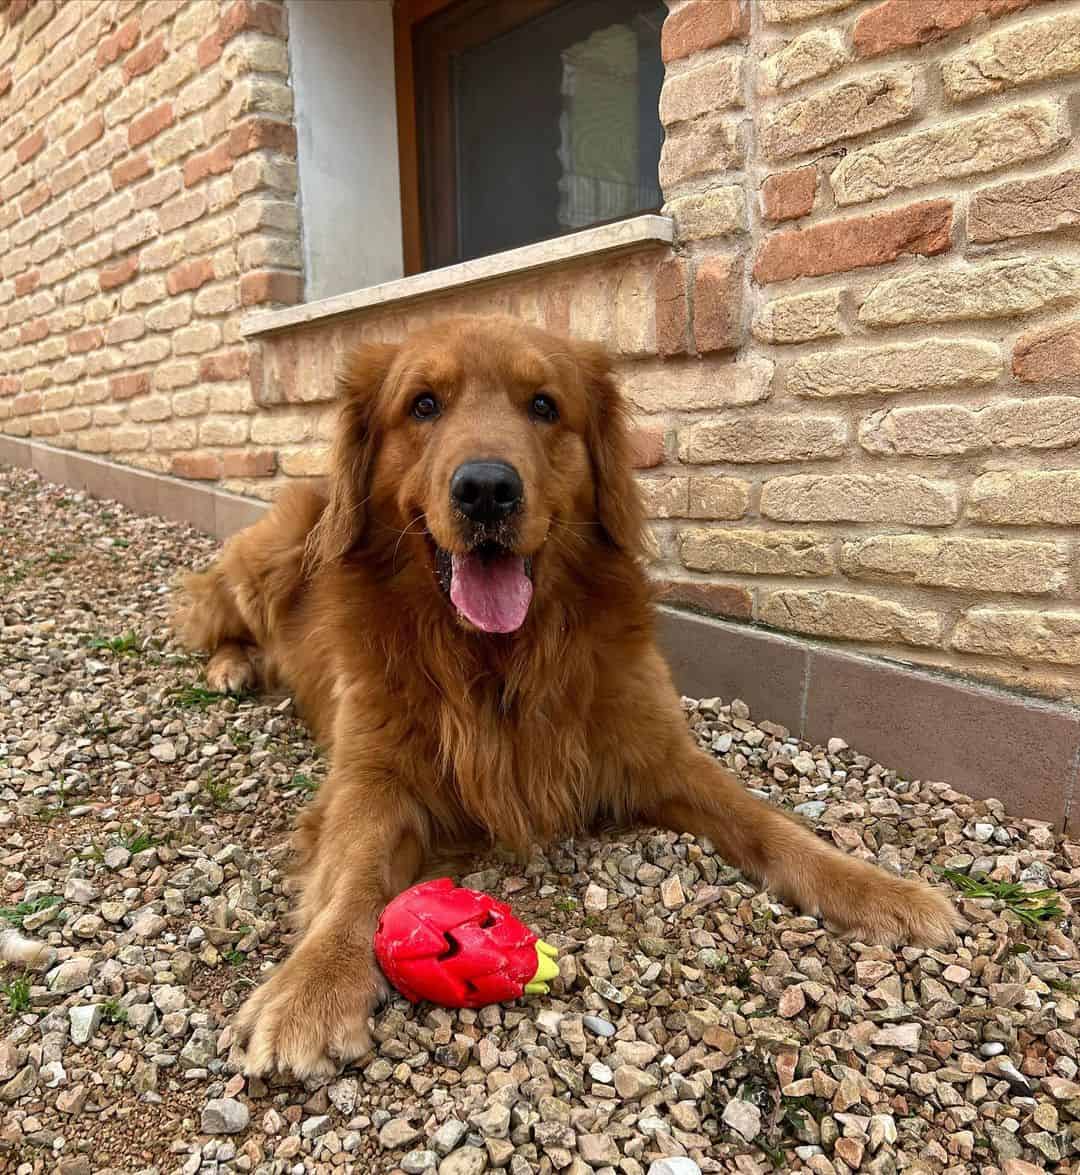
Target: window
<point x="519" y="120"/>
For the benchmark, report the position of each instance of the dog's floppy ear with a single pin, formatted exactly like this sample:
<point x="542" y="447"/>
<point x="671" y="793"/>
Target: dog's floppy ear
<point x="618" y="501"/>
<point x="341" y="525"/>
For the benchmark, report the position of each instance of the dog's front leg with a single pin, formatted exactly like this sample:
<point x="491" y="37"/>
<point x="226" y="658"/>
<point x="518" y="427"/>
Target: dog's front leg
<point x="695" y="794"/>
<point x="311" y="1015"/>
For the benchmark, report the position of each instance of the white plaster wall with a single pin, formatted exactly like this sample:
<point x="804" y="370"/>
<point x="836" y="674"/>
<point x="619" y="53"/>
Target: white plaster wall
<point x="342" y="59"/>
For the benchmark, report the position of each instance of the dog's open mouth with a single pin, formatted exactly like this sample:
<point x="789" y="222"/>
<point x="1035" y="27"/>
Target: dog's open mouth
<point x="490" y="586"/>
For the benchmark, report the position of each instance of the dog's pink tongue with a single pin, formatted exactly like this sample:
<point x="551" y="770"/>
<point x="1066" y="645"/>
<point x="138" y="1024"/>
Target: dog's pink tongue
<point x="494" y="594"/>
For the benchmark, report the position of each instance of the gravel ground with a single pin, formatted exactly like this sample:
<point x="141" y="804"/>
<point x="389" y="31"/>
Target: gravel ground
<point x="698" y="1026"/>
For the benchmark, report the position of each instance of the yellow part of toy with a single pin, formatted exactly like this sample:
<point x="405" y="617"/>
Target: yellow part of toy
<point x="546" y="968"/>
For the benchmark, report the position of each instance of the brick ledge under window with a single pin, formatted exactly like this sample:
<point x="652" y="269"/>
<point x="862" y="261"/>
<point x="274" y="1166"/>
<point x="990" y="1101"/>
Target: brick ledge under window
<point x="623" y="236"/>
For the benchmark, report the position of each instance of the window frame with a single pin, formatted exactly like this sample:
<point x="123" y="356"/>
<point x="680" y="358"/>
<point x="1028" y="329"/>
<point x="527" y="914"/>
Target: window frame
<point x="426" y="143"/>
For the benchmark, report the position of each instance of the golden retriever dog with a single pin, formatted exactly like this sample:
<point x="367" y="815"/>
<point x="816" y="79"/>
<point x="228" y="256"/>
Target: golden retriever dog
<point x="464" y="619"/>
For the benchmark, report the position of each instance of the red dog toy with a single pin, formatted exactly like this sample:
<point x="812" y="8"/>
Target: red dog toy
<point x="460" y="948"/>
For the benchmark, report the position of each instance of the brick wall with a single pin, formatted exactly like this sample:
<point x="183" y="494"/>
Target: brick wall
<point x="856" y="376"/>
<point x="147" y="197"/>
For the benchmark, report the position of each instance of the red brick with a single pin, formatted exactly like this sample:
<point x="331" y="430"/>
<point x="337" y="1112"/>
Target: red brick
<point x="128" y="170"/>
<point x="196" y="466"/>
<point x="897" y="24"/>
<point x="9" y="385"/>
<point x="672" y="318"/>
<point x="147" y="125"/>
<point x="5" y="80"/>
<point x="30" y="146"/>
<point x="127" y="387"/>
<point x="32" y="331"/>
<point x="27" y="282"/>
<point x="216" y="161"/>
<point x="34" y="199"/>
<point x="224" y="365"/>
<point x="118" y="43"/>
<point x="190" y="275"/>
<point x="88" y="133"/>
<point x="253" y="133"/>
<point x="237" y="18"/>
<point x="701" y="24"/>
<point x="249" y="463"/>
<point x="646" y="447"/>
<point x="1050" y="353"/>
<point x="85" y="340"/>
<point x="270" y="285"/>
<point x="716" y="599"/>
<point x="788" y="194"/>
<point x="111" y="276"/>
<point x="836" y="246"/>
<point x="144" y="60"/>
<point x="718" y="290"/>
<point x="26" y="402"/>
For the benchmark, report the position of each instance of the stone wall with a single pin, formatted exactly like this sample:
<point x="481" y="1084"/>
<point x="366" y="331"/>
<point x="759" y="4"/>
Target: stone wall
<point x="856" y="376"/>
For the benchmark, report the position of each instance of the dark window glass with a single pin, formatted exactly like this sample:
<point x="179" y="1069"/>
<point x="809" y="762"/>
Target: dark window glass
<point x="535" y="119"/>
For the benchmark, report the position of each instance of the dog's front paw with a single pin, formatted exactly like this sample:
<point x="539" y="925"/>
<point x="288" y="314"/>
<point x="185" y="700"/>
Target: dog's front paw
<point x="308" y="1020"/>
<point x="891" y="911"/>
<point x="230" y="671"/>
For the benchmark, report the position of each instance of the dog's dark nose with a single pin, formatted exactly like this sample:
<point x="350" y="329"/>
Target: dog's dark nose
<point x="486" y="491"/>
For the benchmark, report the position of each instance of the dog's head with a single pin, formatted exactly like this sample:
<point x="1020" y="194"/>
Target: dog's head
<point x="486" y="449"/>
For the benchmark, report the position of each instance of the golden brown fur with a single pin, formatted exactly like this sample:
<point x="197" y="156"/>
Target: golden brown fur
<point x="439" y="733"/>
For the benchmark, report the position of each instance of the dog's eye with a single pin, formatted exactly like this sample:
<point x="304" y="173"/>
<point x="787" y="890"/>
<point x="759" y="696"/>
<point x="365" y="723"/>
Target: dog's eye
<point x="425" y="407"/>
<point x="543" y="408"/>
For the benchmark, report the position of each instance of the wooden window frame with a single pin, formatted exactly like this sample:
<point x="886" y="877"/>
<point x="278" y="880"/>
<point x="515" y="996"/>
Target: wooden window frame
<point x="474" y="22"/>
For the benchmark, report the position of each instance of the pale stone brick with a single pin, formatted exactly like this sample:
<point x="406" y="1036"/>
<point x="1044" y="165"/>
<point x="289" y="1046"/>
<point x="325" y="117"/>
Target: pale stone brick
<point x="172" y="72"/>
<point x="263" y="252"/>
<point x="263" y="170"/>
<point x="665" y="497"/>
<point x="281" y="428"/>
<point x="712" y="87"/>
<point x="145" y="351"/>
<point x="860" y="497"/>
<point x="224" y="430"/>
<point x="181" y="140"/>
<point x="780" y="11"/>
<point x="150" y="409"/>
<point x="142" y="292"/>
<point x="634" y="313"/>
<point x="799" y="318"/>
<point x="252" y="53"/>
<point x="124" y="440"/>
<point x="1034" y="51"/>
<point x="175" y="435"/>
<point x="310" y="461"/>
<point x="996" y="289"/>
<point x="194" y="21"/>
<point x="756" y="552"/>
<point x="91" y="392"/>
<point x="902" y="367"/>
<point x="191" y="403"/>
<point x="714" y="213"/>
<point x="200" y="92"/>
<point x="1042" y="204"/>
<point x="94" y="440"/>
<point x="206" y="235"/>
<point x="176" y="312"/>
<point x="812" y="55"/>
<point x="696" y="385"/>
<point x="963" y="564"/>
<point x="716" y="497"/>
<point x="124" y="328"/>
<point x="941" y="430"/>
<point x="847" y="110"/>
<point x="950" y="150"/>
<point x="76" y="419"/>
<point x="1052" y="637"/>
<point x="847" y="616"/>
<point x="203" y="336"/>
<point x="264" y="212"/>
<point x="178" y="373"/>
<point x="1028" y="498"/>
<point x="1048" y="422"/>
<point x="231" y="398"/>
<point x="217" y="299"/>
<point x="701" y="148"/>
<point x="137" y="231"/>
<point x="259" y="95"/>
<point x="107" y="415"/>
<point x="742" y="439"/>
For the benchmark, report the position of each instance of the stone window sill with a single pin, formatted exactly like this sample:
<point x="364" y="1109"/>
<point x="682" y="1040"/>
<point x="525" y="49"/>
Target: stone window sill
<point x="623" y="236"/>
